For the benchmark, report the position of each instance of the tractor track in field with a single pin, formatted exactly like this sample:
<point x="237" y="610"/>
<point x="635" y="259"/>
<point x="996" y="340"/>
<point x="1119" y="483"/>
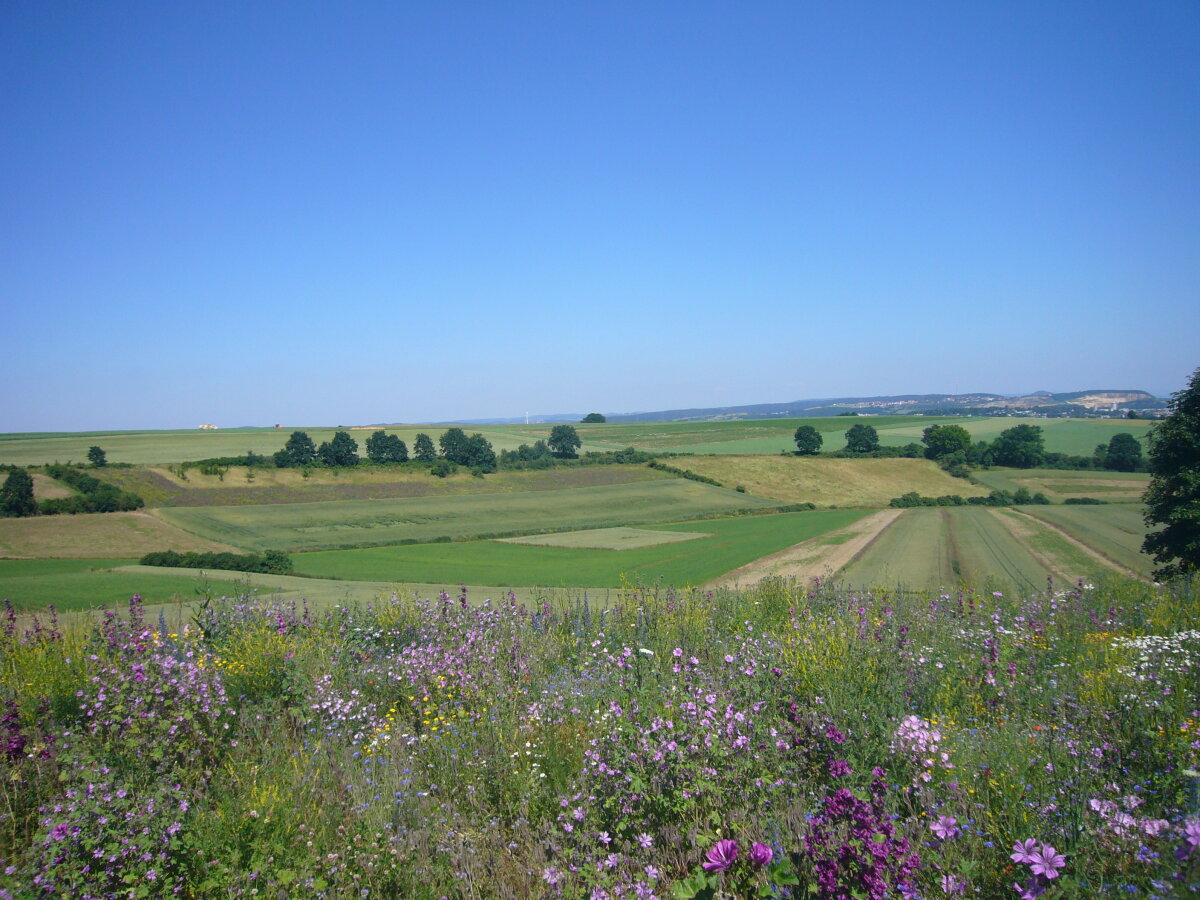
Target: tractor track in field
<point x="1075" y="542"/>
<point x="816" y="557"/>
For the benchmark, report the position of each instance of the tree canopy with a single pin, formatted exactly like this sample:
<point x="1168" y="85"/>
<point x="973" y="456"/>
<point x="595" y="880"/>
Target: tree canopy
<point x="1124" y="453"/>
<point x="808" y="440"/>
<point x="386" y="448"/>
<point x="593" y="419"/>
<point x="564" y="441"/>
<point x="16" y="496"/>
<point x="97" y="457"/>
<point x="862" y="439"/>
<point x="1021" y="447"/>
<point x="474" y="451"/>
<point x="1173" y="497"/>
<point x="341" y="451"/>
<point x="423" y="448"/>
<point x="942" y="440"/>
<point x="298" y="451"/>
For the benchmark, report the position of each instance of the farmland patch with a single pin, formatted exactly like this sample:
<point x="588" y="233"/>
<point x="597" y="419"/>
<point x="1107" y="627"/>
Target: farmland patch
<point x="619" y="538"/>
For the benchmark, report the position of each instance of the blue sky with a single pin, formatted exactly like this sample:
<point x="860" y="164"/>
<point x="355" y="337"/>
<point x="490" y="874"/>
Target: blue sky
<point x="324" y="213"/>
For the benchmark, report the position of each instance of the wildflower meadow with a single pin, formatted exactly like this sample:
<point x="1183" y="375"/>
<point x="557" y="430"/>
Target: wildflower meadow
<point x="792" y="740"/>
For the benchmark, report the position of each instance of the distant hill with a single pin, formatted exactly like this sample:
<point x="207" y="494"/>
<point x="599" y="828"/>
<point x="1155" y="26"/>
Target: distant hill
<point x="1040" y="403"/>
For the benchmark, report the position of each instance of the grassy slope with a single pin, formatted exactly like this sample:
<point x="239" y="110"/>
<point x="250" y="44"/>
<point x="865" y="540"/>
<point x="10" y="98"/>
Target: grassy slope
<point x="72" y="584"/>
<point x="732" y="542"/>
<point x="841" y="482"/>
<point x="1058" y="484"/>
<point x="378" y="522"/>
<point x="95" y="534"/>
<point x="162" y="487"/>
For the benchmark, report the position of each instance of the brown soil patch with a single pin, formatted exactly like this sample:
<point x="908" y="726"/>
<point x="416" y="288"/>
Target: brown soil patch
<point x="817" y="557"/>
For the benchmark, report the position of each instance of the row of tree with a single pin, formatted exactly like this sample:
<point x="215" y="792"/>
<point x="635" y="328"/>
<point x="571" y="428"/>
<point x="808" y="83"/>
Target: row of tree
<point x="91" y="495"/>
<point x="1022" y="447"/>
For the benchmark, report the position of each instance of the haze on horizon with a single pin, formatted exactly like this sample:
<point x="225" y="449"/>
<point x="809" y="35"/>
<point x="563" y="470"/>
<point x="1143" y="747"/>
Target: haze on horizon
<point x="314" y="213"/>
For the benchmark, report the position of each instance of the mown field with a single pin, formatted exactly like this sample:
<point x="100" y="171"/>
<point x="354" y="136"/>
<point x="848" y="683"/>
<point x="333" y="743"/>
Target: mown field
<point x="829" y="482"/>
<point x="1059" y="485"/>
<point x="769" y="436"/>
<point x="295" y="526"/>
<point x="724" y="544"/>
<point x="1002" y="548"/>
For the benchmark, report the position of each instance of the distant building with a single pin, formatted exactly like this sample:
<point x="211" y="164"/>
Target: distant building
<point x="208" y="426"/>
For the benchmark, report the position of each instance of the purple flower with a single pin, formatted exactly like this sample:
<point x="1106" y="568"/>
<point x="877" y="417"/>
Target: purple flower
<point x="945" y="827"/>
<point x="721" y="856"/>
<point x="1023" y="851"/>
<point x="761" y="854"/>
<point x="1047" y="861"/>
<point x="838" y="768"/>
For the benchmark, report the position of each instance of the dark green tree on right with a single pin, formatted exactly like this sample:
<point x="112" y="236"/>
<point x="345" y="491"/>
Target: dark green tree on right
<point x="808" y="440"/>
<point x="1173" y="497"/>
<point x="1123" y="453"/>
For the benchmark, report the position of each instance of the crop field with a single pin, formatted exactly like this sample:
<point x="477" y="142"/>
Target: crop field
<point x="948" y="547"/>
<point x="720" y="545"/>
<point x="160" y="486"/>
<point x="96" y="534"/>
<point x="295" y="526"/>
<point x="1075" y="436"/>
<point x="1059" y="485"/>
<point x="619" y="538"/>
<point x="827" y="482"/>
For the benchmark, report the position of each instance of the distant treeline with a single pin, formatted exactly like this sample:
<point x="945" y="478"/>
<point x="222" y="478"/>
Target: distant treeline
<point x="95" y="496"/>
<point x="1019" y="497"/>
<point x="271" y="562"/>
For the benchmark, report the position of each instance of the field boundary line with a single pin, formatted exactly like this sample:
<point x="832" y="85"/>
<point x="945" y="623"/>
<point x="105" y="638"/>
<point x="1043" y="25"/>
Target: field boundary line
<point x="805" y="559"/>
<point x="1074" y="541"/>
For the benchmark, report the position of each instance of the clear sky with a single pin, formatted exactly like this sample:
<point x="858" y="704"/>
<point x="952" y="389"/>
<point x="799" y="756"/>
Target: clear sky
<point x="347" y="213"/>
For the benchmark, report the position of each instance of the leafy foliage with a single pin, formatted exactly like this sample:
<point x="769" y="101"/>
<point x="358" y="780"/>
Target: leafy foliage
<point x="862" y="439"/>
<point x="942" y="440"/>
<point x="1022" y="446"/>
<point x="1173" y="497"/>
<point x="475" y="451"/>
<point x="298" y="451"/>
<point x="564" y="441"/>
<point x="271" y="562"/>
<point x="423" y="448"/>
<point x="341" y="451"/>
<point x="94" y="495"/>
<point x="386" y="448"/>
<point x="593" y="419"/>
<point x="97" y="457"/>
<point x="16" y="496"/>
<point x="1124" y="453"/>
<point x="808" y="440"/>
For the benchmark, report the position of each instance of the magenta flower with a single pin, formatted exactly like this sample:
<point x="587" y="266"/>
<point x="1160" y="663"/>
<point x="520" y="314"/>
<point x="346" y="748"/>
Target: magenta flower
<point x="761" y="854"/>
<point x="721" y="856"/>
<point x="1023" y="851"/>
<point x="945" y="827"/>
<point x="1046" y="861"/>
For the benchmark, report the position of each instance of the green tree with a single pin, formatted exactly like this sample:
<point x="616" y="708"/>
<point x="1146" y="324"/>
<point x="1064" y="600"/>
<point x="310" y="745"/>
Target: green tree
<point x="808" y="440"/>
<point x="298" y="451"/>
<point x="1124" y="453"/>
<point x="453" y="444"/>
<point x="1021" y="447"/>
<point x="386" y="448"/>
<point x="593" y="418"/>
<point x="341" y="451"/>
<point x="423" y="448"/>
<point x="97" y="457"/>
<point x="564" y="441"/>
<point x="942" y="440"/>
<point x="478" y="454"/>
<point x="1173" y="497"/>
<point x="862" y="439"/>
<point x="16" y="496"/>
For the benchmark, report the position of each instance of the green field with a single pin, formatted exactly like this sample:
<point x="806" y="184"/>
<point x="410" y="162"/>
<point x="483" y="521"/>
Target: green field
<point x="74" y="584"/>
<point x="1077" y="436"/>
<point x="1114" y="531"/>
<point x="295" y="526"/>
<point x="726" y="544"/>
<point x="1060" y="484"/>
<point x="945" y="548"/>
